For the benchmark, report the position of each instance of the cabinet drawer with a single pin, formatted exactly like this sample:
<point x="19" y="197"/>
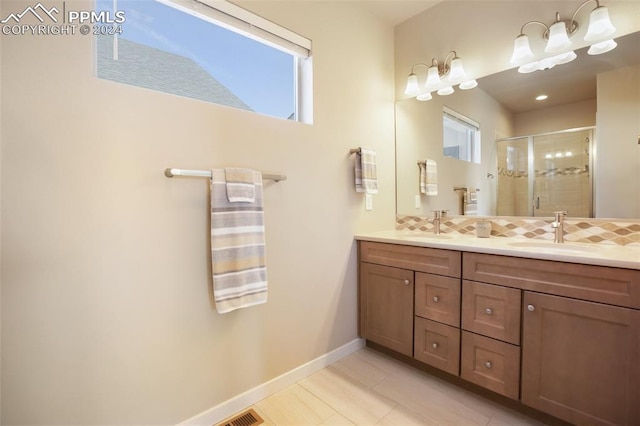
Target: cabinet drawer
<point x="492" y="364"/>
<point x="491" y="310"/>
<point x="615" y="286"/>
<point x="437" y="345"/>
<point x="438" y="298"/>
<point x="422" y="259"/>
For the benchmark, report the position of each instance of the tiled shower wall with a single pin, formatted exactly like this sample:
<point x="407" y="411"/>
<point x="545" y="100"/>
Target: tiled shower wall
<point x="602" y="231"/>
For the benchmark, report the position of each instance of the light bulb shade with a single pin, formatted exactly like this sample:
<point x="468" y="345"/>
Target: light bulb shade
<point x="433" y="78"/>
<point x="600" y="26"/>
<point x="521" y="50"/>
<point x="602" y="47"/>
<point x="470" y="84"/>
<point x="445" y="91"/>
<point x="528" y="68"/>
<point x="456" y="71"/>
<point x="424" y="96"/>
<point x="547" y="63"/>
<point x="564" y="58"/>
<point x="558" y="38"/>
<point x="412" y="88"/>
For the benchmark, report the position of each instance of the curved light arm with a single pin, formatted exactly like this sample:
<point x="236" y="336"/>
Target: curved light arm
<point x="535" y="22"/>
<point x="573" y="18"/>
<point x="413" y="68"/>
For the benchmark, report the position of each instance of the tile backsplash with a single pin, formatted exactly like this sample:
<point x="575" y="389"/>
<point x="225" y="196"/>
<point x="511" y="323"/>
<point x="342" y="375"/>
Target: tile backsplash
<point x="603" y="231"/>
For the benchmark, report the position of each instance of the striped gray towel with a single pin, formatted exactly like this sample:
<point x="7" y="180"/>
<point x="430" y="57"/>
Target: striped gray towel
<point x="366" y="171"/>
<point x="238" y="259"/>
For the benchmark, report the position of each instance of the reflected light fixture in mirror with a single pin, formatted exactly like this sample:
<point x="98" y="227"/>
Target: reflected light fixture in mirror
<point x="599" y="32"/>
<point x="441" y="77"/>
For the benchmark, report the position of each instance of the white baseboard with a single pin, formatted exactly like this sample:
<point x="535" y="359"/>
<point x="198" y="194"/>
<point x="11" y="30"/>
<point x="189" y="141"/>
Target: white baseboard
<point x="234" y="405"/>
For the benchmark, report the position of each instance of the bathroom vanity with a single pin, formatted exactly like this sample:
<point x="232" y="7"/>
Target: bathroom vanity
<point x="554" y="327"/>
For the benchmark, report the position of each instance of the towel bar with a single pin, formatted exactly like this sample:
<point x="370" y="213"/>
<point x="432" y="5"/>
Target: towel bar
<point x="207" y="173"/>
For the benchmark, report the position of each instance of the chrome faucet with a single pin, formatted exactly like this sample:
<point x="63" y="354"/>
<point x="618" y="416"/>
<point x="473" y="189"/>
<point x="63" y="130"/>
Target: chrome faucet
<point x="437" y="217"/>
<point x="558" y="226"/>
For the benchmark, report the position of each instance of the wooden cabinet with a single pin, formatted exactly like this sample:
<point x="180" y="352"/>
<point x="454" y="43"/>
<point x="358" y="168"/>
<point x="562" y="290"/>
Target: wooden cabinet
<point x="389" y="299"/>
<point x="386" y="306"/>
<point x="581" y="360"/>
<point x="580" y="352"/>
<point x="562" y="338"/>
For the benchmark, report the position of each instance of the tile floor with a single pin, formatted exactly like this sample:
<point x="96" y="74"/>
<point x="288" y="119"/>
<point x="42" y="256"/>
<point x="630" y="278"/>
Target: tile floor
<point x="369" y="388"/>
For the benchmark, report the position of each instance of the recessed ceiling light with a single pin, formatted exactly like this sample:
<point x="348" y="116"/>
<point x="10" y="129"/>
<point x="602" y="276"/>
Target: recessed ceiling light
<point x="541" y="97"/>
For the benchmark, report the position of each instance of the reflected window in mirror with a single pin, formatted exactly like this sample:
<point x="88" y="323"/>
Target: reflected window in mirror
<point x="461" y="137"/>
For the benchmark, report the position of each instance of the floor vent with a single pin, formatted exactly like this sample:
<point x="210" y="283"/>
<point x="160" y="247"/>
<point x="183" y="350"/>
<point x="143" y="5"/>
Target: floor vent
<point x="246" y="418"/>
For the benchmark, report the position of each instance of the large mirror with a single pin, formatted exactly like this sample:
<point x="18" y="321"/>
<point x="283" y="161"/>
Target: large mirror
<point x="596" y="95"/>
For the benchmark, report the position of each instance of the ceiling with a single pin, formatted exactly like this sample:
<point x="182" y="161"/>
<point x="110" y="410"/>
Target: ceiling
<point x="395" y="12"/>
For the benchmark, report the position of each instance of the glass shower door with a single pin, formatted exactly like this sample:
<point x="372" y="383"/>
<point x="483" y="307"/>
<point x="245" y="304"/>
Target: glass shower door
<point x="562" y="178"/>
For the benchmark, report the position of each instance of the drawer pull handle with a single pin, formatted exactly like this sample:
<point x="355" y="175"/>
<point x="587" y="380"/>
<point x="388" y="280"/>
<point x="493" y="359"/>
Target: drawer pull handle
<point x="406" y="282"/>
<point x="531" y="308"/>
<point x="488" y="364"/>
<point x="488" y="311"/>
<point x="435" y="345"/>
<point x="436" y="299"/>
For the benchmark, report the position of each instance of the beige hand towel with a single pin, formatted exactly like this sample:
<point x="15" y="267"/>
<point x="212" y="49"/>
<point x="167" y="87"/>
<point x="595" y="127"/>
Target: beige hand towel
<point x="240" y="186"/>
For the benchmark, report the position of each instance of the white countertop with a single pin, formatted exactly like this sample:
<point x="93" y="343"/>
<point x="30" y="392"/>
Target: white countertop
<point x="587" y="253"/>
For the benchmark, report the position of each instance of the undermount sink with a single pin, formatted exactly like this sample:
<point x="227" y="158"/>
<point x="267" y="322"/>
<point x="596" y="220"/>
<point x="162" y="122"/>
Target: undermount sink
<point x="554" y="247"/>
<point x="427" y="237"/>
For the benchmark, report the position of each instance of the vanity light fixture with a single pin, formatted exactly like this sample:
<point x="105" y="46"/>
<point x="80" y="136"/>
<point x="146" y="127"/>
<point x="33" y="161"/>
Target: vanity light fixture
<point x="558" y="49"/>
<point x="441" y="77"/>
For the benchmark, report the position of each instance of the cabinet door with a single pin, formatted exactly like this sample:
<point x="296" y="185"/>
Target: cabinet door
<point x="438" y="298"/>
<point x="386" y="306"/>
<point x="581" y="360"/>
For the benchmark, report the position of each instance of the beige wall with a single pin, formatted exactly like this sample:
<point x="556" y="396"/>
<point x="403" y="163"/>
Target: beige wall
<point x="106" y="306"/>
<point x="618" y="154"/>
<point x="561" y="117"/>
<point x="0" y="224"/>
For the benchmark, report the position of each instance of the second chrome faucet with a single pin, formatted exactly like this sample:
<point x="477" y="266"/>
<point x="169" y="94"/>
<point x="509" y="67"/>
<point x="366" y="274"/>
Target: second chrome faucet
<point x="437" y="219"/>
<point x="558" y="226"/>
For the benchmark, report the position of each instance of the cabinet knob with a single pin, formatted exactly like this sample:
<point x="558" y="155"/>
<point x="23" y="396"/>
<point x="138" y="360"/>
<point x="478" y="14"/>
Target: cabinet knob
<point x="435" y="345"/>
<point x="406" y="282"/>
<point x="436" y="299"/>
<point x="488" y="364"/>
<point x="488" y="311"/>
<point x="531" y="308"/>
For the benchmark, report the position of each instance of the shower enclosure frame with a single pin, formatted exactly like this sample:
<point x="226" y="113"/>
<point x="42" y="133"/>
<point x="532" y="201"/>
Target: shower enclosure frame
<point x="531" y="175"/>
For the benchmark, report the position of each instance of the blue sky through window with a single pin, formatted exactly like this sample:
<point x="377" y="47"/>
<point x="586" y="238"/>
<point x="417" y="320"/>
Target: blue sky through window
<point x="261" y="76"/>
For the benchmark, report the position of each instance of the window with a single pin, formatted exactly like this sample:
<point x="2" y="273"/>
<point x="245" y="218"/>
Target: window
<point x="216" y="53"/>
<point x="461" y="137"/>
